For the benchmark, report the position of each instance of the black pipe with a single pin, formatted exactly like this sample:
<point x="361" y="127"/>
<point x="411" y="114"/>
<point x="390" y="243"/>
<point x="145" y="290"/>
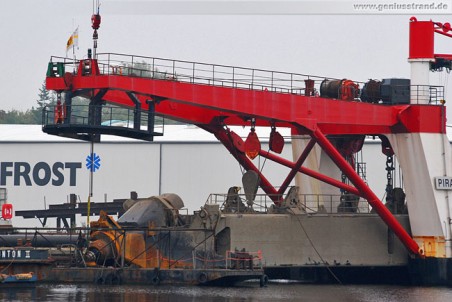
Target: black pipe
<point x="37" y="239"/>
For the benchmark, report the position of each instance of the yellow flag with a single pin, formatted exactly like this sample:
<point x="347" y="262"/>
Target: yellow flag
<point x="72" y="41"/>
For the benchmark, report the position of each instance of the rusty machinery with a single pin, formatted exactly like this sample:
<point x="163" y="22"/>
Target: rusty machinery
<point x="135" y="239"/>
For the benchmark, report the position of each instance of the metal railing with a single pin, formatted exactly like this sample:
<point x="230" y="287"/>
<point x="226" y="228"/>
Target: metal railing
<point x="244" y="260"/>
<point x="309" y="203"/>
<point x="72" y="243"/>
<point x="203" y="73"/>
<point x="232" y="76"/>
<point x="104" y="116"/>
<point x="197" y="72"/>
<point x="424" y="94"/>
<point x="260" y="204"/>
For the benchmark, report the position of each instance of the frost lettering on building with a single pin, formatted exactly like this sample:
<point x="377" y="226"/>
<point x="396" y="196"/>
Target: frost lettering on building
<point x="39" y="174"/>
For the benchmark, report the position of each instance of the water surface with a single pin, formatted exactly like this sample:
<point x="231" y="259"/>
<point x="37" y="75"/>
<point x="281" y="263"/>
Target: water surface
<point x="246" y="292"/>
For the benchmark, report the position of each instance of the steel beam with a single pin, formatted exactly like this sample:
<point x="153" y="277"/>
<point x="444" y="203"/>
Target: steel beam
<point x="312" y="173"/>
<point x="222" y="135"/>
<point x="296" y="167"/>
<point x="330" y="115"/>
<point x="136" y="112"/>
<point x="367" y="193"/>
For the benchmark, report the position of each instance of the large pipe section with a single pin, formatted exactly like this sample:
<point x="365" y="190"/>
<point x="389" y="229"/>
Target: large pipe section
<point x="37" y="239"/>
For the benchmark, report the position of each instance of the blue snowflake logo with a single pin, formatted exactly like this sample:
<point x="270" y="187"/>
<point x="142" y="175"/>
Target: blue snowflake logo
<point x="93" y="162"/>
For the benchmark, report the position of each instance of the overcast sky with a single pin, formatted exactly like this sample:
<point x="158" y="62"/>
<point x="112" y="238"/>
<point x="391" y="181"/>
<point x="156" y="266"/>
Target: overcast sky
<point x="352" y="46"/>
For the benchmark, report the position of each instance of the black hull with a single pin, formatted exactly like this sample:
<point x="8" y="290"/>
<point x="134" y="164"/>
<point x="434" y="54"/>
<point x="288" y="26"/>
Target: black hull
<point x="344" y="274"/>
<point x="431" y="271"/>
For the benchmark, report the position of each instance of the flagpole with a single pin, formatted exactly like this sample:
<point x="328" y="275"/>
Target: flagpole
<point x="72" y="43"/>
<point x="91" y="170"/>
<point x="73" y="56"/>
<point x="75" y="44"/>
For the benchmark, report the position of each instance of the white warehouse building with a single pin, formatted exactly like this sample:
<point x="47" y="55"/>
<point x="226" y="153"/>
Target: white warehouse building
<point x="40" y="169"/>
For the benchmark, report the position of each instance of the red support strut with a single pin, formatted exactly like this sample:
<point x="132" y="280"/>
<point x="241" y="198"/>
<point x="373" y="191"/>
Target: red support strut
<point x="222" y="135"/>
<point x="312" y="173"/>
<point x="297" y="166"/>
<point x="367" y="193"/>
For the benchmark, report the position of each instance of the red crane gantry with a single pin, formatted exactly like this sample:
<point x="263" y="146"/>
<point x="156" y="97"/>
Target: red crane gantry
<point x="214" y="97"/>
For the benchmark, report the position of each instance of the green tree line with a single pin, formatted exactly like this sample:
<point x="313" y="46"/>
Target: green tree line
<point x="48" y="98"/>
<point x="29" y="116"/>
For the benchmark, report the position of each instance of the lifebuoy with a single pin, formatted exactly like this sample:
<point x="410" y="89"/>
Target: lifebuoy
<point x="100" y="281"/>
<point x="202" y="278"/>
<point x="156" y="280"/>
<point x="114" y="279"/>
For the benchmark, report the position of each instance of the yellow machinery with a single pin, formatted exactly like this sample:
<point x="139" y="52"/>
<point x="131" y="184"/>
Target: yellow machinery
<point x="138" y="238"/>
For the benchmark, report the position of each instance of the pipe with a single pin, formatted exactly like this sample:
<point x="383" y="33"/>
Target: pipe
<point x="37" y="239"/>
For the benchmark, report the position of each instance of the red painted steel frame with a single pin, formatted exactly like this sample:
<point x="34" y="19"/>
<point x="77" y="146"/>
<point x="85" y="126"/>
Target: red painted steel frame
<point x="209" y="106"/>
<point x="361" y="187"/>
<point x="223" y="136"/>
<point x="422" y="39"/>
<point x="200" y="104"/>
<point x="312" y="173"/>
<point x="367" y="193"/>
<point x="297" y="166"/>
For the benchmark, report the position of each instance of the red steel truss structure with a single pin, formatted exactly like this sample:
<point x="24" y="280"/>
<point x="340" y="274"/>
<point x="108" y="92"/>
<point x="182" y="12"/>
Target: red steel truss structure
<point x="214" y="97"/>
